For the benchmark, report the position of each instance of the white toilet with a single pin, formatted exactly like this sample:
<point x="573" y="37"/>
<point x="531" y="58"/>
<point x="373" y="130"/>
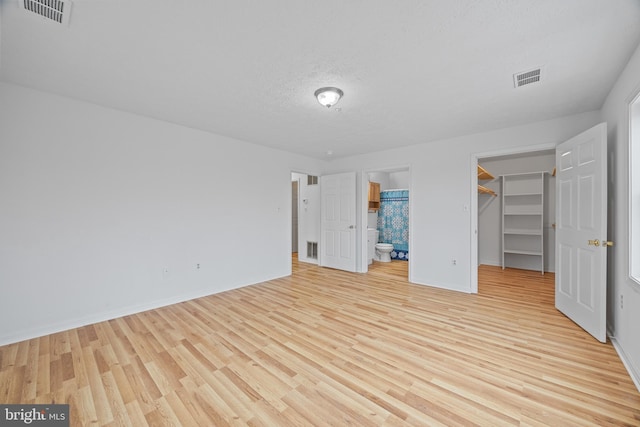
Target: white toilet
<point x="383" y="252"/>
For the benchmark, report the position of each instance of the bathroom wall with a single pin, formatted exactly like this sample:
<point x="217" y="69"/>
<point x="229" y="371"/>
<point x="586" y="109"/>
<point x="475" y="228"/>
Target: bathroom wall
<point x="387" y="181"/>
<point x="381" y="178"/>
<point x="398" y="180"/>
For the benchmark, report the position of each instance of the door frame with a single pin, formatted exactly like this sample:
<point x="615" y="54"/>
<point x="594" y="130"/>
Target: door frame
<point x="300" y="202"/>
<point x="473" y="168"/>
<point x="362" y="265"/>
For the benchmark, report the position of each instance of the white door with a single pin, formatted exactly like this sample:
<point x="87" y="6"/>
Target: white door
<point x="338" y="221"/>
<point x="581" y="230"/>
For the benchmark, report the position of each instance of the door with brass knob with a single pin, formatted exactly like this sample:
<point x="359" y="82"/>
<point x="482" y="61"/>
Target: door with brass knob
<point x="596" y="242"/>
<point x="581" y="215"/>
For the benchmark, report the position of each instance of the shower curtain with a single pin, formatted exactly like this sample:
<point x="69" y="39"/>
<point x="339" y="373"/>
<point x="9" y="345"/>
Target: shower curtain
<point x="393" y="221"/>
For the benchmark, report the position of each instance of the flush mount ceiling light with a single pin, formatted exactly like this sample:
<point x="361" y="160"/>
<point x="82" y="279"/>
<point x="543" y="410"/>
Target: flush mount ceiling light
<point x="328" y="96"/>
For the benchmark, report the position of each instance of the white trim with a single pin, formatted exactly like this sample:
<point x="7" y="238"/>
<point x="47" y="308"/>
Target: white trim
<point x="364" y="203"/>
<point x="473" y="270"/>
<point x="633" y="190"/>
<point x="104" y="316"/>
<point x="627" y="362"/>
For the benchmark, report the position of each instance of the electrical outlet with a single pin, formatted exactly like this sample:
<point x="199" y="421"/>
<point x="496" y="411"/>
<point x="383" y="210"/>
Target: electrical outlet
<point x="165" y="273"/>
<point x="197" y="266"/>
<point x="621" y="301"/>
<point x="454" y="262"/>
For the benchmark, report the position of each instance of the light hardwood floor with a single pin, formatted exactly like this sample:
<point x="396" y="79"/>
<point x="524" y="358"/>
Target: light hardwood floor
<point x="325" y="347"/>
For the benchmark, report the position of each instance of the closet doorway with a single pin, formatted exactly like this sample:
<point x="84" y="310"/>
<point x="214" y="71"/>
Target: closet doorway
<point x="490" y="250"/>
<point x="528" y="240"/>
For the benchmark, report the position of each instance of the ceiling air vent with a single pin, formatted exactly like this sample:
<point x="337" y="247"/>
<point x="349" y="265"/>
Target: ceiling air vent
<point x="52" y="10"/>
<point x="527" y="77"/>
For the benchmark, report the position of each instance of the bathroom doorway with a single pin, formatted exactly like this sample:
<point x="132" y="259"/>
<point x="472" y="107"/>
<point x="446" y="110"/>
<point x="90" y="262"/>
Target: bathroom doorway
<point x="391" y="218"/>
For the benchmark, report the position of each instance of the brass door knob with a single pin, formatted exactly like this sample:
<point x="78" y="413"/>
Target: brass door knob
<point x="607" y="243"/>
<point x="595" y="242"/>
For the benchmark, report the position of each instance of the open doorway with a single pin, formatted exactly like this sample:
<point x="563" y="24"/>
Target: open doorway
<point x="305" y="210"/>
<point x="529" y="240"/>
<point x="386" y="218"/>
<point x="533" y="214"/>
<point x="580" y="257"/>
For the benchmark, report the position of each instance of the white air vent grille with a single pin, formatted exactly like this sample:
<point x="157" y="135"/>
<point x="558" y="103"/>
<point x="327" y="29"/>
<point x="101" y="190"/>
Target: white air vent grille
<point x="528" y="77"/>
<point x="312" y="250"/>
<point x="52" y="10"/>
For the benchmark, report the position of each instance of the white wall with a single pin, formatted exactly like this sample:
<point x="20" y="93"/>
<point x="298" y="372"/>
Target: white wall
<point x="490" y="211"/>
<point x="381" y="178"/>
<point x="399" y="180"/>
<point x="97" y="202"/>
<point x="441" y="192"/>
<point x="390" y="180"/>
<point x="624" y="323"/>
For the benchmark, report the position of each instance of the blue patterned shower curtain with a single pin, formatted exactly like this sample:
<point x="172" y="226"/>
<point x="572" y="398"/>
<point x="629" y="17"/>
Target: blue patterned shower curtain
<point x="393" y="221"/>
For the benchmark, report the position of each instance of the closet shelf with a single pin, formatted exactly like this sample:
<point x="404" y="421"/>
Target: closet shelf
<point x="523" y="194"/>
<point x="483" y="174"/>
<point x="523" y="219"/>
<point x="519" y="252"/>
<point x="484" y="190"/>
<point x="523" y="231"/>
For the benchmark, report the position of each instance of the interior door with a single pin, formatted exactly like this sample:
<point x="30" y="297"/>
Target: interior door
<point x="338" y="221"/>
<point x="581" y="227"/>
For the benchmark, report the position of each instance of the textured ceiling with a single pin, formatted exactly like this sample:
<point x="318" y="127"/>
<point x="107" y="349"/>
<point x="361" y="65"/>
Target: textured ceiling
<point x="412" y="71"/>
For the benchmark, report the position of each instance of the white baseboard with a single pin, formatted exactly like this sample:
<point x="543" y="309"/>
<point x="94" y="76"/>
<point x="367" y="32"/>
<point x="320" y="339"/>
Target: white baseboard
<point x="633" y="372"/>
<point x="52" y="328"/>
<point x="490" y="262"/>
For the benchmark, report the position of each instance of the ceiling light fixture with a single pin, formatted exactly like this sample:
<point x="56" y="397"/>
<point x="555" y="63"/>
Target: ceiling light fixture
<point x="328" y="96"/>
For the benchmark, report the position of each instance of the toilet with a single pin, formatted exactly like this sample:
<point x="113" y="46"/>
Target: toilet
<point x="383" y="252"/>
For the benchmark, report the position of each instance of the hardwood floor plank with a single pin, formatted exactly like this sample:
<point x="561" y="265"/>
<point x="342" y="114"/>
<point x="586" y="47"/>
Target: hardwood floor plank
<point x="98" y="392"/>
<point x="216" y="408"/>
<point x="82" y="408"/>
<point x="136" y="416"/>
<point x="306" y="411"/>
<point x="114" y="399"/>
<point x="327" y="347"/>
<point x="145" y="390"/>
<point x="122" y="383"/>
